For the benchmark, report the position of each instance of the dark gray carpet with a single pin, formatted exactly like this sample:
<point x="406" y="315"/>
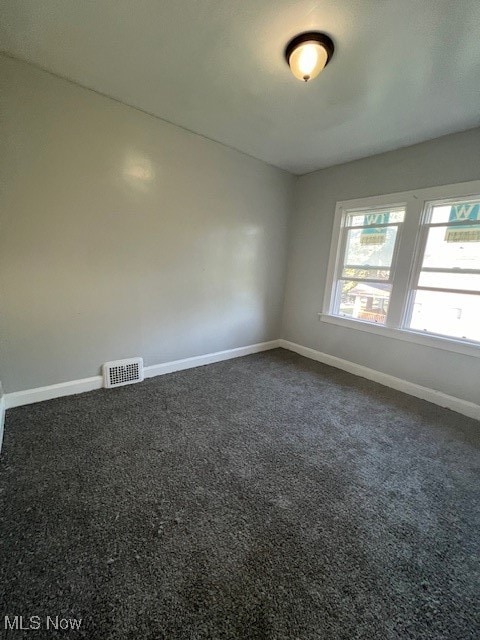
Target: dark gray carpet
<point x="268" y="497"/>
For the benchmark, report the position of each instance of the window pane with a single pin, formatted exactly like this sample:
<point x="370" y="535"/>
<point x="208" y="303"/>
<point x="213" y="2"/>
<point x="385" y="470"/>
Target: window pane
<point x="372" y="247"/>
<point x="461" y="210"/>
<point x="467" y="281"/>
<point x="372" y="274"/>
<point x="372" y="218"/>
<point x="362" y="301"/>
<point x="449" y="314"/>
<point x="442" y="249"/>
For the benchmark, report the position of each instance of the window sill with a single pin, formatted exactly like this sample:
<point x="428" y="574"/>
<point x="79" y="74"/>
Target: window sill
<point x="447" y="344"/>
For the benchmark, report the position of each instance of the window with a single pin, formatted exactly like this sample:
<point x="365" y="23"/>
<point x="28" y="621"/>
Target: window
<point x="409" y="265"/>
<point x="365" y="280"/>
<point x="446" y="286"/>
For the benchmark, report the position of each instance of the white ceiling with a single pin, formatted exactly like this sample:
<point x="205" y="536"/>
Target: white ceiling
<point x="403" y="70"/>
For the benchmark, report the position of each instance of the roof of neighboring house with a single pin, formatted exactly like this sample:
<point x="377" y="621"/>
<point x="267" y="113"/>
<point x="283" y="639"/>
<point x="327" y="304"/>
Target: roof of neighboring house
<point x="378" y="290"/>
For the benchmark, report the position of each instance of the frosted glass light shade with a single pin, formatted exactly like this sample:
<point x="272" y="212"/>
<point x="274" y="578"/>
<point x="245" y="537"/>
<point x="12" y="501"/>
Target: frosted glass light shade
<point x="308" y="53"/>
<point x="307" y="60"/>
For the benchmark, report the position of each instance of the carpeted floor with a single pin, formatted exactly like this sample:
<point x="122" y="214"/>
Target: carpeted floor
<point x="267" y="497"/>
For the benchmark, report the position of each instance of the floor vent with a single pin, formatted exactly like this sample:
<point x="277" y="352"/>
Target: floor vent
<point x="120" y="372"/>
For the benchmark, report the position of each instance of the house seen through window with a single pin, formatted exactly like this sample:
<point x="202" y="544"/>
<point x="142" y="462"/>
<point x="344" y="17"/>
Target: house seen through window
<point x="367" y="276"/>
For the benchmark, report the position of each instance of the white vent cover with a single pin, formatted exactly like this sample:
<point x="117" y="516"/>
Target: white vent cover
<point x="120" y="372"/>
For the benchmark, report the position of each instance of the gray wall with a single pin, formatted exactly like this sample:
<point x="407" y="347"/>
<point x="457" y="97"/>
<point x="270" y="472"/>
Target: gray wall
<point x="121" y="235"/>
<point x="450" y="159"/>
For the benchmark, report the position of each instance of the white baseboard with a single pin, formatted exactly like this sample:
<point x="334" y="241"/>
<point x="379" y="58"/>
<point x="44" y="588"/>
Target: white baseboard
<point x="39" y="394"/>
<point x="19" y="398"/>
<point x="209" y="358"/>
<point x="465" y="407"/>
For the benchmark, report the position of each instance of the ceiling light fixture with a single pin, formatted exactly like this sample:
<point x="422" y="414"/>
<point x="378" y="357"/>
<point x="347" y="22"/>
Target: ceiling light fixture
<point x="309" y="53"/>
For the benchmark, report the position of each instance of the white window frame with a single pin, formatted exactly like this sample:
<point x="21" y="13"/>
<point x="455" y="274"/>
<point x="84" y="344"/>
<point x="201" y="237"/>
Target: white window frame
<point x="342" y="248"/>
<point x="406" y="263"/>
